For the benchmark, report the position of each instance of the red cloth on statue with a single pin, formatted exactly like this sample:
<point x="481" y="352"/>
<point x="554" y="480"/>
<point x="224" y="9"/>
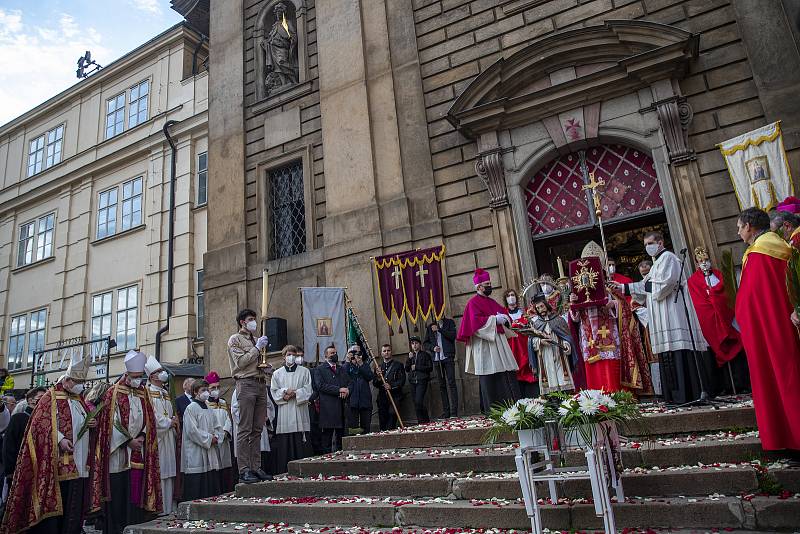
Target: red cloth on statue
<point x="519" y="346"/>
<point x="603" y="374"/>
<point x="773" y="350"/>
<point x="715" y="316"/>
<point x="478" y="310"/>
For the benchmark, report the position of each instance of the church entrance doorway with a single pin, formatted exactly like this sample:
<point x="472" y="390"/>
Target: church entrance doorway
<point x="561" y="215"/>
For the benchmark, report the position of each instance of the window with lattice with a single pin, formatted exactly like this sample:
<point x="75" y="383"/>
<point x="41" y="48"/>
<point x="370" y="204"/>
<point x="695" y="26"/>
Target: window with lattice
<point x="287" y="211"/>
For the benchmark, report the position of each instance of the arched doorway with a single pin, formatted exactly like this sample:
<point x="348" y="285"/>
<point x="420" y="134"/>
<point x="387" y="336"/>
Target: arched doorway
<point x="561" y="216"/>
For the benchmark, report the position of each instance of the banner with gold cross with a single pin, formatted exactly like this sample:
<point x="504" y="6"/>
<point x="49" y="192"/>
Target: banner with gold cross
<point x="411" y="284"/>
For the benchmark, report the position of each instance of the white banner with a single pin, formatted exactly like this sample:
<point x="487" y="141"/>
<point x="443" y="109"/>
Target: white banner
<point x="758" y="167"/>
<point x="323" y="321"/>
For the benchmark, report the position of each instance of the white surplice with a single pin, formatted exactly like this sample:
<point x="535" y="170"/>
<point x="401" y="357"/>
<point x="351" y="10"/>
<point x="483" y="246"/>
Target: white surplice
<point x="81" y="446"/>
<point x="488" y="351"/>
<point x="167" y="439"/>
<point x="223" y="446"/>
<point x="120" y="455"/>
<point x="200" y="425"/>
<point x="293" y="414"/>
<point x="669" y="329"/>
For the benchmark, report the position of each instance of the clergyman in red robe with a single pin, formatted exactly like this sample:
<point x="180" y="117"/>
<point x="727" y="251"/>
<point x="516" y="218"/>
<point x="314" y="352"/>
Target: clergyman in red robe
<point x="526" y="379"/>
<point x="770" y="339"/>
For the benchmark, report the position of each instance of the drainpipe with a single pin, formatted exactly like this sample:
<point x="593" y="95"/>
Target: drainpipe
<point x="171" y="238"/>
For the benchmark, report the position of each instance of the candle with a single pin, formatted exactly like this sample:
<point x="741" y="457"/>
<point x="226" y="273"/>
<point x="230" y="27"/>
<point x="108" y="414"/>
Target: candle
<point x="265" y="294"/>
<point x="560" y="267"/>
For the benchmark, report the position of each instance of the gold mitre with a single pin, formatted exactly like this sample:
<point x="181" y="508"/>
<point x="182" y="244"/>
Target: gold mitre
<point x="593" y="249"/>
<point x="700" y="254"/>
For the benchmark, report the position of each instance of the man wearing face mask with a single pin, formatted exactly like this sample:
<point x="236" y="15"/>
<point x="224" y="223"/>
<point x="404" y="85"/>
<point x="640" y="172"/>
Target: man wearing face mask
<point x="616" y="276"/>
<point x="332" y="383"/>
<point x="526" y="379"/>
<point x="715" y="313"/>
<point x="670" y="332"/>
<point x="291" y="388"/>
<point x="168" y="427"/>
<point x="220" y="409"/>
<point x="484" y="329"/>
<point x="244" y="352"/>
<point x="128" y="441"/>
<point x="55" y="462"/>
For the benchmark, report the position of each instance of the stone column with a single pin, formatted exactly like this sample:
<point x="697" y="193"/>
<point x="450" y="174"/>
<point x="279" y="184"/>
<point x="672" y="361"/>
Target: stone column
<point x="489" y="167"/>
<point x="225" y="262"/>
<point x="674" y="115"/>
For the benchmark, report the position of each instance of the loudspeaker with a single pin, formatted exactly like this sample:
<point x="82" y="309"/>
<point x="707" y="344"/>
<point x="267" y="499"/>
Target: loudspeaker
<point x="275" y="330"/>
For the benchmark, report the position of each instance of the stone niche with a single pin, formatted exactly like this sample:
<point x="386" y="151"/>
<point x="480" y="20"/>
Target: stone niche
<point x="280" y="48"/>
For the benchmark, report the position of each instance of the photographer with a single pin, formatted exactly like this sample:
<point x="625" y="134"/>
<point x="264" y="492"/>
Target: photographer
<point x="360" y="393"/>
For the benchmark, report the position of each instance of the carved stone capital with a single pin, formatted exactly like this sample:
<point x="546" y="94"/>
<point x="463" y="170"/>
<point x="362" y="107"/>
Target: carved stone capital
<point x="675" y="114"/>
<point x="489" y="167"/>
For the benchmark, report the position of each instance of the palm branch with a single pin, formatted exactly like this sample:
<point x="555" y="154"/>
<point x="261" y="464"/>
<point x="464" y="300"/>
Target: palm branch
<point x="793" y="279"/>
<point x="729" y="276"/>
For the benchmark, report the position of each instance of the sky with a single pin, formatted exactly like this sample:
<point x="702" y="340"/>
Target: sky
<point x="41" y="41"/>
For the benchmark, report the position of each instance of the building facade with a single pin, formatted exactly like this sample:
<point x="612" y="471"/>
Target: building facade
<point x="84" y="211"/>
<point x="366" y="127"/>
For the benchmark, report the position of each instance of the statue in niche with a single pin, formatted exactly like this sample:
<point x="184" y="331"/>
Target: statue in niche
<point x="280" y="52"/>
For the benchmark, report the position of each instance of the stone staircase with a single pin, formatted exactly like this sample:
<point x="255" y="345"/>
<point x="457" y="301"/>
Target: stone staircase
<point x="698" y="469"/>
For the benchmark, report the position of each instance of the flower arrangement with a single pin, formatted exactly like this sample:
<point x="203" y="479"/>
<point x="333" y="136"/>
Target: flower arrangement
<point x="525" y="414"/>
<point x="582" y="411"/>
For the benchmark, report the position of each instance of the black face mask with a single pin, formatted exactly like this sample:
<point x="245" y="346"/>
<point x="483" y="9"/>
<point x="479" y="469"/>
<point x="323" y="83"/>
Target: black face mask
<point x="333" y="358"/>
<point x="487" y="291"/>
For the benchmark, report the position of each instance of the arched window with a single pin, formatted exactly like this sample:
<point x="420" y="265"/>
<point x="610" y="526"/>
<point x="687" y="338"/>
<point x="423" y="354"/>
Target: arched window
<point x="556" y="199"/>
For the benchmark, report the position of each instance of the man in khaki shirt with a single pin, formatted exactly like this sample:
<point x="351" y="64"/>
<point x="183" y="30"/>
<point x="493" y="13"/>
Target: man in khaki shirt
<point x="244" y="352"/>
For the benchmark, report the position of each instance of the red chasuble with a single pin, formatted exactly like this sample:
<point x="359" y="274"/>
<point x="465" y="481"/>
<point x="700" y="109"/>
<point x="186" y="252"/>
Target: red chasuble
<point x="478" y="310"/>
<point x="771" y="342"/>
<point x="715" y="316"/>
<point x="146" y="460"/>
<point x="519" y="346"/>
<point x="35" y="493"/>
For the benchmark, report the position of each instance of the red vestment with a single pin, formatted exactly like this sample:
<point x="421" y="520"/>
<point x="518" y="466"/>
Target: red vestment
<point x="715" y="316"/>
<point x="771" y="342"/>
<point x="519" y="346"/>
<point x="634" y="365"/>
<point x="622" y="279"/>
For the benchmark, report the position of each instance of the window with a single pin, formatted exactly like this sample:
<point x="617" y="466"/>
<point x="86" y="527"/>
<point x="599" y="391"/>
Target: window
<point x="22" y="347"/>
<point x="107" y="213"/>
<point x="132" y="203"/>
<point x="38" y="233"/>
<point x="202" y="178"/>
<point x="137" y="110"/>
<point x="101" y="315"/>
<point x="287" y="211"/>
<point x="115" y="115"/>
<point x="54" y="139"/>
<point x="201" y="305"/>
<point x="126" y="318"/>
<point x="35" y="156"/>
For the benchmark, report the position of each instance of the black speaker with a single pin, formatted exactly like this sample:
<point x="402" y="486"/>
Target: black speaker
<point x="276" y="332"/>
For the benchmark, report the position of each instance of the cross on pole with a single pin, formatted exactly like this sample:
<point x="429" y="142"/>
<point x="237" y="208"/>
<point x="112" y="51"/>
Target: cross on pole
<point x="396" y="274"/>
<point x="593" y="186"/>
<point x="421" y="273"/>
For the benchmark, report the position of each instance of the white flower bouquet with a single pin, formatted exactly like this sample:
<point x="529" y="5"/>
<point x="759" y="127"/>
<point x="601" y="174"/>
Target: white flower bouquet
<point x="525" y="414"/>
<point x="581" y="412"/>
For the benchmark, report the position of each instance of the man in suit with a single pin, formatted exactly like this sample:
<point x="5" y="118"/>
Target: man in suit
<point x="419" y="366"/>
<point x="331" y="382"/>
<point x="440" y="343"/>
<point x="184" y="400"/>
<point x="395" y="376"/>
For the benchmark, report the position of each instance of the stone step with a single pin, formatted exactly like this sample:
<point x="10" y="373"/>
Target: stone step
<point x="695" y="481"/>
<point x="768" y="513"/>
<point x="707" y="449"/>
<point x="471" y="430"/>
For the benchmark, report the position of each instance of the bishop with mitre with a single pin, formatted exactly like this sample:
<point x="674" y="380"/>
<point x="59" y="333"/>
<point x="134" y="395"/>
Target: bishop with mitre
<point x="488" y="353"/>
<point x="50" y="492"/>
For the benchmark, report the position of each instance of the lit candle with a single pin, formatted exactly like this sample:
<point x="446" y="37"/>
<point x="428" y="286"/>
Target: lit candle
<point x="265" y="294"/>
<point x="560" y="267"/>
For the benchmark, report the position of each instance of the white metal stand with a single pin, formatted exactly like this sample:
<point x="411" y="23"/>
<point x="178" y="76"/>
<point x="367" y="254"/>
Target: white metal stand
<point x="600" y="470"/>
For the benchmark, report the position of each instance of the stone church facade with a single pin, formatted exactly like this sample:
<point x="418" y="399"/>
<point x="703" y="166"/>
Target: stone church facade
<point x="340" y="130"/>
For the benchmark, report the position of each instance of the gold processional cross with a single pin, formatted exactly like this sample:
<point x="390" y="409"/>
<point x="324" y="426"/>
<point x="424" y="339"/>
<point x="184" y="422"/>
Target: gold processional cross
<point x="592" y="186"/>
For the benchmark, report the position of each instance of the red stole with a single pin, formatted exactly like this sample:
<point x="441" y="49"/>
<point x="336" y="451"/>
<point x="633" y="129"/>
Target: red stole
<point x="478" y="310"/>
<point x="715" y="316"/>
<point x="146" y="460"/>
<point x="773" y="350"/>
<point x="35" y="493"/>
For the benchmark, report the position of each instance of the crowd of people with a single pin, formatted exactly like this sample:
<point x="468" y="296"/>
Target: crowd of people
<point x="125" y="452"/>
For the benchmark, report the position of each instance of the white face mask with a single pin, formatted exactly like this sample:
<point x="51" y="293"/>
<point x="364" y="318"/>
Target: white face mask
<point x="76" y="389"/>
<point x="252" y="326"/>
<point x="213" y="393"/>
<point x="135" y="382"/>
<point x="298" y="360"/>
<point x="705" y="265"/>
<point x="652" y="249"/>
<point x="512" y="300"/>
<point x="163" y="376"/>
<point x="612" y="268"/>
<point x="203" y="397"/>
<point x="289" y="359"/>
